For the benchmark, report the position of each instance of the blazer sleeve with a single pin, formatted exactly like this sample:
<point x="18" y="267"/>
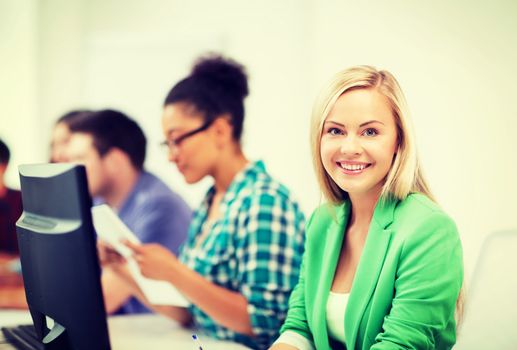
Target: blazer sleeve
<point x="427" y="285"/>
<point x="296" y="316"/>
<point x="296" y="319"/>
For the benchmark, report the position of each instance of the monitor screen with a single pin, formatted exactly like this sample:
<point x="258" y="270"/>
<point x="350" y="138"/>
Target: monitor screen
<point x="59" y="260"/>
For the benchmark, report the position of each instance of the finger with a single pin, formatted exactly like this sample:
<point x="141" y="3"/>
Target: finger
<point x="101" y="244"/>
<point x="137" y="248"/>
<point x="115" y="257"/>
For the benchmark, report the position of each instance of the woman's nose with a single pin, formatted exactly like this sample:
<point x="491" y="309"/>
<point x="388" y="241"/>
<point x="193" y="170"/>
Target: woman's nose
<point x="350" y="145"/>
<point x="172" y="154"/>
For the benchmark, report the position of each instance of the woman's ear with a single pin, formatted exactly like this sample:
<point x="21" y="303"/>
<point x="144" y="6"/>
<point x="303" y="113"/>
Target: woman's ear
<point x="223" y="130"/>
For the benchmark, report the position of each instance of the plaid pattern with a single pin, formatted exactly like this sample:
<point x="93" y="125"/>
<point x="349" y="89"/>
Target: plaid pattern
<point x="255" y="249"/>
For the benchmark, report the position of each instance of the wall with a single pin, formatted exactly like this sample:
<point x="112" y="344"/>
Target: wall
<point x="453" y="60"/>
<point x="20" y="124"/>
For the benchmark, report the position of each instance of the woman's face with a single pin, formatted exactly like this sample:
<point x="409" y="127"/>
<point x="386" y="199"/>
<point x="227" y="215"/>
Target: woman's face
<point x="359" y="140"/>
<point x="195" y="155"/>
<point x="60" y="137"/>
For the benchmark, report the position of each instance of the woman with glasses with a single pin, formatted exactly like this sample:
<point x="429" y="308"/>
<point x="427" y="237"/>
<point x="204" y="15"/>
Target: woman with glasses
<point x="383" y="263"/>
<point x="243" y="253"/>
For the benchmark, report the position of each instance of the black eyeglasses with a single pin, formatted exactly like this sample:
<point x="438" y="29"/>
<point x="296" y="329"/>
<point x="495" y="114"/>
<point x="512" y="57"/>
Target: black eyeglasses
<point x="178" y="140"/>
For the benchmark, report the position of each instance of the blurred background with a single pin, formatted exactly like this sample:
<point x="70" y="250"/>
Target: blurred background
<point x="454" y="60"/>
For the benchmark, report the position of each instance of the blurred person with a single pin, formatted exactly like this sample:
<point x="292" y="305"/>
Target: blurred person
<point x="245" y="244"/>
<point x="383" y="264"/>
<point x="61" y="135"/>
<point x="12" y="294"/>
<point x="112" y="148"/>
<point x="10" y="208"/>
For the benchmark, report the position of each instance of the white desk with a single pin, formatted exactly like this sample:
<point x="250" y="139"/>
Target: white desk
<point x="138" y="332"/>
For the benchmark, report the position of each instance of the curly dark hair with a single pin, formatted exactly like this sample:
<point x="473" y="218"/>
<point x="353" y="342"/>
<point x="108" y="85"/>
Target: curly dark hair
<point x="215" y="86"/>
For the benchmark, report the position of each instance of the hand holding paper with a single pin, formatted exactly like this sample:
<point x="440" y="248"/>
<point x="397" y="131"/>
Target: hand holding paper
<point x="155" y="261"/>
<point x="112" y="230"/>
<point x="108" y="255"/>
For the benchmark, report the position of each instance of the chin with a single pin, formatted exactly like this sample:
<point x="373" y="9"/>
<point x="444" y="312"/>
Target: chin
<point x="354" y="189"/>
<point x="190" y="181"/>
<point x="192" y="178"/>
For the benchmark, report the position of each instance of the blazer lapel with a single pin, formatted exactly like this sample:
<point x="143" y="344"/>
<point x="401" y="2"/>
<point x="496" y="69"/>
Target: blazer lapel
<point x="333" y="241"/>
<point x="369" y="268"/>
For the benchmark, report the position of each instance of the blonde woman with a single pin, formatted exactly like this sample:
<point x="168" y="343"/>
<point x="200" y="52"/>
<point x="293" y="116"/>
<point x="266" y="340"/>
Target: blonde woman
<point x="383" y="263"/>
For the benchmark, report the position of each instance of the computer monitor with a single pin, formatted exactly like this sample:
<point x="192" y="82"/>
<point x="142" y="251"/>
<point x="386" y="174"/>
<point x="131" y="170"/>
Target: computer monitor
<point x="60" y="267"/>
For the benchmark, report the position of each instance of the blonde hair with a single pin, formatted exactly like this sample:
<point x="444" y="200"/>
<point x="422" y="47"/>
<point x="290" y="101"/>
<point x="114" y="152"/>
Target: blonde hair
<point x="405" y="175"/>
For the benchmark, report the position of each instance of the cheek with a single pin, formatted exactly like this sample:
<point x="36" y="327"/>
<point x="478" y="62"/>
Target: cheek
<point x="204" y="149"/>
<point x="94" y="171"/>
<point x="393" y="148"/>
<point x="386" y="153"/>
<point x="189" y="153"/>
<point x="327" y="151"/>
<point x="92" y="176"/>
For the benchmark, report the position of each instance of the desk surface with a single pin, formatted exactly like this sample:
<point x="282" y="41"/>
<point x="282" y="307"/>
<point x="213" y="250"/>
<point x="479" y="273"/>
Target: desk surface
<point x="139" y="332"/>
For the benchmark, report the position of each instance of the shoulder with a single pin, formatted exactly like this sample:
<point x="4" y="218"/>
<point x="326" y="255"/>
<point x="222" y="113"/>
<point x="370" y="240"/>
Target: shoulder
<point x="326" y="214"/>
<point x="264" y="183"/>
<point x="151" y="183"/>
<point x="154" y="194"/>
<point x="14" y="194"/>
<point x="14" y="199"/>
<point x="417" y="209"/>
<point x="417" y="219"/>
<point x="263" y="189"/>
<point x="325" y="223"/>
<point x="418" y="203"/>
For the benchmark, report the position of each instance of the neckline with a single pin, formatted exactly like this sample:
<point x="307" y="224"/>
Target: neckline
<point x="339" y="294"/>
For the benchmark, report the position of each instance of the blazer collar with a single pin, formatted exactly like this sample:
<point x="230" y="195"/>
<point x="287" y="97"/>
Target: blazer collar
<point x="384" y="212"/>
<point x="333" y="241"/>
<point x="369" y="268"/>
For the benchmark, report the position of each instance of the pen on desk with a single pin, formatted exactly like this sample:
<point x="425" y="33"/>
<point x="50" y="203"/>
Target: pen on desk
<point x="197" y="342"/>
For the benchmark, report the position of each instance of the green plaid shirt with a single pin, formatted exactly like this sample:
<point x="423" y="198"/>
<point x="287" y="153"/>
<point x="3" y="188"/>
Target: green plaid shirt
<point x="255" y="249"/>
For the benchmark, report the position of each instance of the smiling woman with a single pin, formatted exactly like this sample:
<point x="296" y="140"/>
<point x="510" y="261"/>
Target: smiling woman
<point x="383" y="263"/>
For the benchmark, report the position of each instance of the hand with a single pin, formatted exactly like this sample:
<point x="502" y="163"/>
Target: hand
<point x="154" y="260"/>
<point x="107" y="255"/>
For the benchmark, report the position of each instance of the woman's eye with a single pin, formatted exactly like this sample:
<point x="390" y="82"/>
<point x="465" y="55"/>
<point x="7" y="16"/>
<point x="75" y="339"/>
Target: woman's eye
<point x="334" y="131"/>
<point x="370" y="132"/>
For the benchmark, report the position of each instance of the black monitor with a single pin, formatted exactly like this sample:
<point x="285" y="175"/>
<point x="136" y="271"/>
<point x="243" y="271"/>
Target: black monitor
<point x="60" y="267"/>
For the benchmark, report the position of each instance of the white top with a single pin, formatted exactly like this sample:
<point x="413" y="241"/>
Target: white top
<point x="294" y="339"/>
<point x="336" y="306"/>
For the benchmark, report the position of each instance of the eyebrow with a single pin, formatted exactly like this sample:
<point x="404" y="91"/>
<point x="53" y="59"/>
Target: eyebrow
<point x="363" y="124"/>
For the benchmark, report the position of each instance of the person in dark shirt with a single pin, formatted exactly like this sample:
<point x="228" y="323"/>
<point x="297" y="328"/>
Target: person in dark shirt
<point x="10" y="208"/>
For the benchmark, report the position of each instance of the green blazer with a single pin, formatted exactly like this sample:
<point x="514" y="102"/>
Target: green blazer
<point x="406" y="285"/>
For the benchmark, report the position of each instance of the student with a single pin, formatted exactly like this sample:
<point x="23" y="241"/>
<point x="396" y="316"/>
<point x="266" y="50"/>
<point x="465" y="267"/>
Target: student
<point x="61" y="135"/>
<point x="383" y="263"/>
<point x="12" y="294"/>
<point x="112" y="147"/>
<point x="10" y="209"/>
<point x="242" y="257"/>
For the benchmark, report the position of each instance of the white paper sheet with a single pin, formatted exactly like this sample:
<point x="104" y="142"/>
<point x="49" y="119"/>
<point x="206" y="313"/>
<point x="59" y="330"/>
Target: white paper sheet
<point x="112" y="230"/>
